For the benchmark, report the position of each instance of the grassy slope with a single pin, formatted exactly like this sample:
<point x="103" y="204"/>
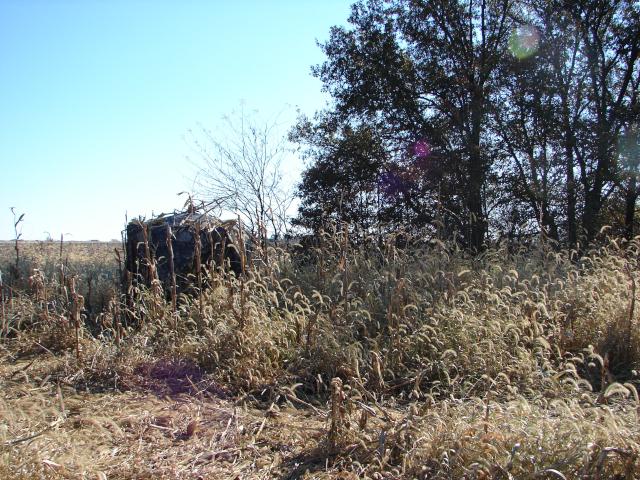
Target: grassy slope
<point x="510" y="366"/>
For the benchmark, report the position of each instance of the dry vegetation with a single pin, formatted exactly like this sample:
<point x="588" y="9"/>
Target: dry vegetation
<point x="341" y="361"/>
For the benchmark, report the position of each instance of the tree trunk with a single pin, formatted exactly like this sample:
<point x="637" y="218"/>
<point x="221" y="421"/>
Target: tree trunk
<point x="592" y="206"/>
<point x="631" y="196"/>
<point x="549" y="223"/>
<point x="572" y="230"/>
<point x="478" y="222"/>
<point x="569" y="146"/>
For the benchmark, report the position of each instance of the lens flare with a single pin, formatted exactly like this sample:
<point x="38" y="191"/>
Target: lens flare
<point x="404" y="176"/>
<point x="421" y="149"/>
<point x="392" y="183"/>
<point x="524" y="41"/>
<point x="629" y="152"/>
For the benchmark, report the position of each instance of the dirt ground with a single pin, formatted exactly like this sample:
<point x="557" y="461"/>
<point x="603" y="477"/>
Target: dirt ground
<point x="51" y="428"/>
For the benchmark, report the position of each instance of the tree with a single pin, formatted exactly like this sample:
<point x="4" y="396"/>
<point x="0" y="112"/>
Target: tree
<point x="584" y="81"/>
<point x="347" y="170"/>
<point x="424" y="73"/>
<point x="520" y="104"/>
<point x="241" y="173"/>
<point x="629" y="155"/>
<point x="530" y="117"/>
<point x="610" y="38"/>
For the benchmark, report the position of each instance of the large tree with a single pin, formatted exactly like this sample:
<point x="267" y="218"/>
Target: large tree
<point x="423" y="74"/>
<point x="535" y="119"/>
<point x="609" y="34"/>
<point x="564" y="109"/>
<point x="347" y="170"/>
<point x="488" y="112"/>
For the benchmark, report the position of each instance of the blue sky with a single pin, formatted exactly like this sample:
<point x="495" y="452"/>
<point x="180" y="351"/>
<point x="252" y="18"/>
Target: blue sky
<point x="96" y="98"/>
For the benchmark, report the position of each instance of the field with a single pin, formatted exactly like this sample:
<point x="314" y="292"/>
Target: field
<point x="345" y="360"/>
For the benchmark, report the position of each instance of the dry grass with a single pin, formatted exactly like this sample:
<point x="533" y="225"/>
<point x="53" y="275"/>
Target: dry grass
<point x="350" y="361"/>
<point x="92" y="263"/>
<point x="138" y="435"/>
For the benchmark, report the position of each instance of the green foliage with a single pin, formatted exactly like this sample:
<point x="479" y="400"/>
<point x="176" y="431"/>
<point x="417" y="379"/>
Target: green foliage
<point x="488" y="118"/>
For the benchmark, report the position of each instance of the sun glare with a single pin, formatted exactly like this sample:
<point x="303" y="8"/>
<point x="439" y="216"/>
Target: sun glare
<point x="524" y="41"/>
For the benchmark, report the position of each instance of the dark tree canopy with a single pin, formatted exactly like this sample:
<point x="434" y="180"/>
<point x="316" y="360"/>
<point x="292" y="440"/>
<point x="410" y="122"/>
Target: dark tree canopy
<point x="479" y="118"/>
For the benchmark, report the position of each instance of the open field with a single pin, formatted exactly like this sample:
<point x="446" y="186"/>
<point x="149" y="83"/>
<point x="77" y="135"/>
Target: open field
<point x="91" y="259"/>
<point x="344" y="361"/>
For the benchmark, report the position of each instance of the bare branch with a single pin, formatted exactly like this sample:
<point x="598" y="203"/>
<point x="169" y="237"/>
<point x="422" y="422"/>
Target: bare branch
<point x="241" y="172"/>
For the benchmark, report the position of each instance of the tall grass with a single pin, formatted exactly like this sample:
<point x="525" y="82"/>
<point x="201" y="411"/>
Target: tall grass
<point x="426" y="362"/>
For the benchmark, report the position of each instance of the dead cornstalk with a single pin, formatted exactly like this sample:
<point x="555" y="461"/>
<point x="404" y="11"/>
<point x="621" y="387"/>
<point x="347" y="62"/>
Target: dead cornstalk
<point x="221" y="260"/>
<point x="152" y="274"/>
<point x="338" y="411"/>
<point x="63" y="284"/>
<point x="132" y="310"/>
<point x="88" y="305"/>
<point x="17" y="243"/>
<point x="172" y="271"/>
<point x="243" y="301"/>
<point x="147" y="254"/>
<point x="345" y="269"/>
<point x="198" y="259"/>
<point x="241" y="250"/>
<point x="241" y="247"/>
<point x="4" y="325"/>
<point x="211" y="261"/>
<point x="77" y="306"/>
<point x="119" y="261"/>
<point x="37" y="281"/>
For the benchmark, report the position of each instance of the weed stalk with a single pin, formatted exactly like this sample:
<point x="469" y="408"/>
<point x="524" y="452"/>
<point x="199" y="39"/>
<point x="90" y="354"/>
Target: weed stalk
<point x="198" y="259"/>
<point x="172" y="271"/>
<point x="77" y="306"/>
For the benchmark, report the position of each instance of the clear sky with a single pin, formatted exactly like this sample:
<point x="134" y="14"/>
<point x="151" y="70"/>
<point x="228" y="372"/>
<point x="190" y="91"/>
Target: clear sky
<point x="96" y="98"/>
